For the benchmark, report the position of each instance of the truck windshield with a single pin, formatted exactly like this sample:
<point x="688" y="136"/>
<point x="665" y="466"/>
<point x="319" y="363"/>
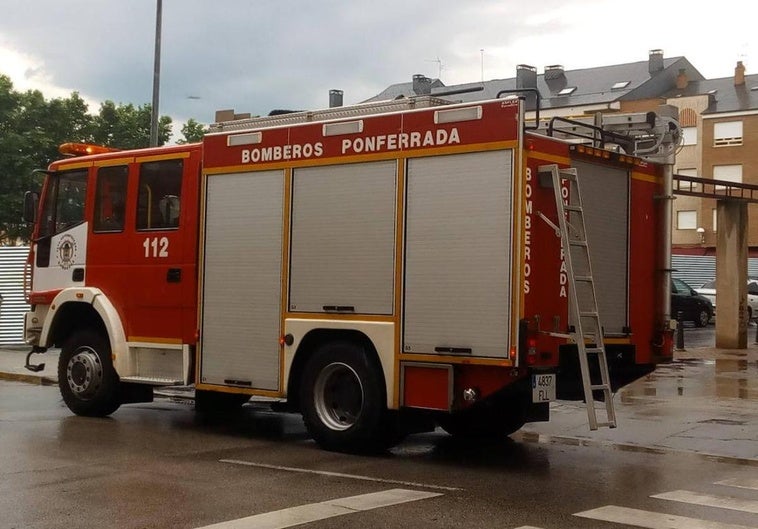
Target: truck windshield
<point x="64" y="201"/>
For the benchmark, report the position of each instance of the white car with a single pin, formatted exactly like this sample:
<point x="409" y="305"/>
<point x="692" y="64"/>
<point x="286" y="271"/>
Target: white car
<point x="709" y="291"/>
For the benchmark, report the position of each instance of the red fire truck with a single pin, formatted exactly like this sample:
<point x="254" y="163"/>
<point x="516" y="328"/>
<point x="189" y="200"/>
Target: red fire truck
<point x="381" y="269"/>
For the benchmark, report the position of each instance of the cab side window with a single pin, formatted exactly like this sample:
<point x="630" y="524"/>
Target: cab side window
<point x="160" y="192"/>
<point x="110" y="199"/>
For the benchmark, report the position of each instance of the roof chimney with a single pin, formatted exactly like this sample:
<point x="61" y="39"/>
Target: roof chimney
<point x="681" y="79"/>
<point x="655" y="62"/>
<point x="554" y="71"/>
<point x="739" y="74"/>
<point x="422" y="85"/>
<point x="335" y="98"/>
<point x="526" y="76"/>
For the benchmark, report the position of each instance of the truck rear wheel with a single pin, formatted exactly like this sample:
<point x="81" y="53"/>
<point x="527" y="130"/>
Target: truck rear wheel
<point x="342" y="399"/>
<point x="86" y="378"/>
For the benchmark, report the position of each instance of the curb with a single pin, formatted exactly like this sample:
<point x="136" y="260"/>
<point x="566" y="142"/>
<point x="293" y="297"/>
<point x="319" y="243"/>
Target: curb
<point x="29" y="379"/>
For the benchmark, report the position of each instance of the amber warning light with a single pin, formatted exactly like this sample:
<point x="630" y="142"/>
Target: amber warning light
<point x="83" y="149"/>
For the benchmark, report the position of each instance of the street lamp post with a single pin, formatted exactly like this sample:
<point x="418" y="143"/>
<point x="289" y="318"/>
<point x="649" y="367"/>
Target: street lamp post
<point x="155" y="116"/>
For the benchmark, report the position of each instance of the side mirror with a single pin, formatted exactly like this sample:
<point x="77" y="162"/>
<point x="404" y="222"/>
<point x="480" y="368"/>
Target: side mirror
<point x="31" y="201"/>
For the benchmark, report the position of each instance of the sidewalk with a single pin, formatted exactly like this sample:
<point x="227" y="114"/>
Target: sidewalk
<point x="705" y="402"/>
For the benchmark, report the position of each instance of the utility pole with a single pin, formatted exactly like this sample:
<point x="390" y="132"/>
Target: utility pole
<point x="155" y="116"/>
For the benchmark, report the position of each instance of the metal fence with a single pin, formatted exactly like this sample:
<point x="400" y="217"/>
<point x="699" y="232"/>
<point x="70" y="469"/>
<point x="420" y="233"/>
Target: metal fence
<point x="12" y="303"/>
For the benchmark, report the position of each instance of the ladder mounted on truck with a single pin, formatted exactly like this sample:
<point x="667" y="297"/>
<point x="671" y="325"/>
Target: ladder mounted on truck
<point x="587" y="332"/>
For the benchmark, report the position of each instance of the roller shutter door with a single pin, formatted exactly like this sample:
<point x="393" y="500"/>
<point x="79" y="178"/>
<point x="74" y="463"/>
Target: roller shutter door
<point x="343" y="238"/>
<point x="457" y="254"/>
<point x="242" y="280"/>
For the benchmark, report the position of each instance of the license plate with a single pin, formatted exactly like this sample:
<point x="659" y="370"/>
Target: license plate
<point x="543" y="388"/>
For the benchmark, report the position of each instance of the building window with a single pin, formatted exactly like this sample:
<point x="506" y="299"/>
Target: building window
<point x="684" y="185"/>
<point x="727" y="133"/>
<point x="689" y="135"/>
<point x="686" y="220"/>
<point x="730" y="173"/>
<point x="715" y="216"/>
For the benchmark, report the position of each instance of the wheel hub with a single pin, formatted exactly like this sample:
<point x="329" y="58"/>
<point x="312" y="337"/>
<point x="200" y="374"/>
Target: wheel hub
<point x="338" y="396"/>
<point x="84" y="372"/>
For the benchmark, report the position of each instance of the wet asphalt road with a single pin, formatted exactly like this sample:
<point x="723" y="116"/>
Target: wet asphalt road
<point x="161" y="465"/>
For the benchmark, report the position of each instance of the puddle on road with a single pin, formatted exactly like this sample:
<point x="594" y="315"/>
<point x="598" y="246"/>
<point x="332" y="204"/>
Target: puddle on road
<point x="734" y="377"/>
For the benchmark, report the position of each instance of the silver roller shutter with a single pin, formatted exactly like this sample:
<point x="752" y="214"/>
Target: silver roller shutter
<point x="242" y="280"/>
<point x="457" y="254"/>
<point x="343" y="238"/>
<point x="605" y="200"/>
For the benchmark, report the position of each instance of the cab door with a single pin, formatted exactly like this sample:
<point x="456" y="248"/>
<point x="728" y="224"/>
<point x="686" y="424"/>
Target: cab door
<point x="162" y="280"/>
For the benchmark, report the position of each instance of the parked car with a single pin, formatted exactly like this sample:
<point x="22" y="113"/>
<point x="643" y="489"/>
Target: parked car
<point x="709" y="291"/>
<point x="693" y="306"/>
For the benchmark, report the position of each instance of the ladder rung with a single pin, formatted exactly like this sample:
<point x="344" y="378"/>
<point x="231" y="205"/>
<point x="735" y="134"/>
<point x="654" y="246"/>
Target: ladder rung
<point x="588" y="314"/>
<point x="568" y="175"/>
<point x="603" y="387"/>
<point x="572" y="208"/>
<point x="578" y="243"/>
<point x="594" y="350"/>
<point x="607" y="424"/>
<point x="587" y="279"/>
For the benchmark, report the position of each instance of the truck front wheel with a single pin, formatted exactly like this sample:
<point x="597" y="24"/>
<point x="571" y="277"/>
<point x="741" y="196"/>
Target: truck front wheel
<point x="86" y="378"/>
<point x="343" y="399"/>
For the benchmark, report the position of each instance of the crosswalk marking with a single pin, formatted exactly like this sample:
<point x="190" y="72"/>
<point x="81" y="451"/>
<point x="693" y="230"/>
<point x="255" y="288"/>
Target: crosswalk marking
<point x="722" y="502"/>
<point x="323" y="510"/>
<point x="743" y="483"/>
<point x="652" y="520"/>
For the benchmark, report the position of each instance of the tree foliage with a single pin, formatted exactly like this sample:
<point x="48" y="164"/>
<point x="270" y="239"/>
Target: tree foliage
<point x="192" y="132"/>
<point x="32" y="128"/>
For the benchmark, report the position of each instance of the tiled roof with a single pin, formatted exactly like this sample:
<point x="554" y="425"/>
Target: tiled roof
<point x="724" y="95"/>
<point x="593" y="85"/>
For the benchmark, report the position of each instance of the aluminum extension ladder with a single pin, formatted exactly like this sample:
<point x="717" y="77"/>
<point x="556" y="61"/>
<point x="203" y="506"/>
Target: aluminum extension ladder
<point x="587" y="332"/>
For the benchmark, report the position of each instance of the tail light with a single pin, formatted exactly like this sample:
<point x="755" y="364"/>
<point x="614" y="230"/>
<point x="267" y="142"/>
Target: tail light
<point x="527" y="353"/>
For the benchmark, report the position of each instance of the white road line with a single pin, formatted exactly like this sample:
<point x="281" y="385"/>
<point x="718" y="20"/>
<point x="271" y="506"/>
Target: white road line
<point x="652" y="520"/>
<point x="339" y="475"/>
<point x="743" y="483"/>
<point x="528" y="527"/>
<point x="722" y="502"/>
<point x="323" y="510"/>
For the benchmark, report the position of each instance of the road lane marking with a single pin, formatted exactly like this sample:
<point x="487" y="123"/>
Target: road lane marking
<point x="721" y="502"/>
<point x="326" y="509"/>
<point x="340" y="475"/>
<point x="652" y="520"/>
<point x="743" y="483"/>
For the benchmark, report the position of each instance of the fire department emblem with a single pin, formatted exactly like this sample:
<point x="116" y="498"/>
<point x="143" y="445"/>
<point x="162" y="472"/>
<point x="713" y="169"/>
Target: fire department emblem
<point x="66" y="251"/>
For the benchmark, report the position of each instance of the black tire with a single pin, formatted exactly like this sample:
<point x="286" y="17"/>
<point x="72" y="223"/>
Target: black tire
<point x="216" y="402"/>
<point x="343" y="400"/>
<point x="86" y="378"/>
<point x="703" y="317"/>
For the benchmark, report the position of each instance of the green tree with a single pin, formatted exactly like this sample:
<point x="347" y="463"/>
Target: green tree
<point x="32" y="128"/>
<point x="192" y="132"/>
<point x="128" y="127"/>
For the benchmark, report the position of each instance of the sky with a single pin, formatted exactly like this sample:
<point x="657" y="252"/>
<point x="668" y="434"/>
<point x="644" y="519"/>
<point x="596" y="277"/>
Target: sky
<point x="258" y="55"/>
